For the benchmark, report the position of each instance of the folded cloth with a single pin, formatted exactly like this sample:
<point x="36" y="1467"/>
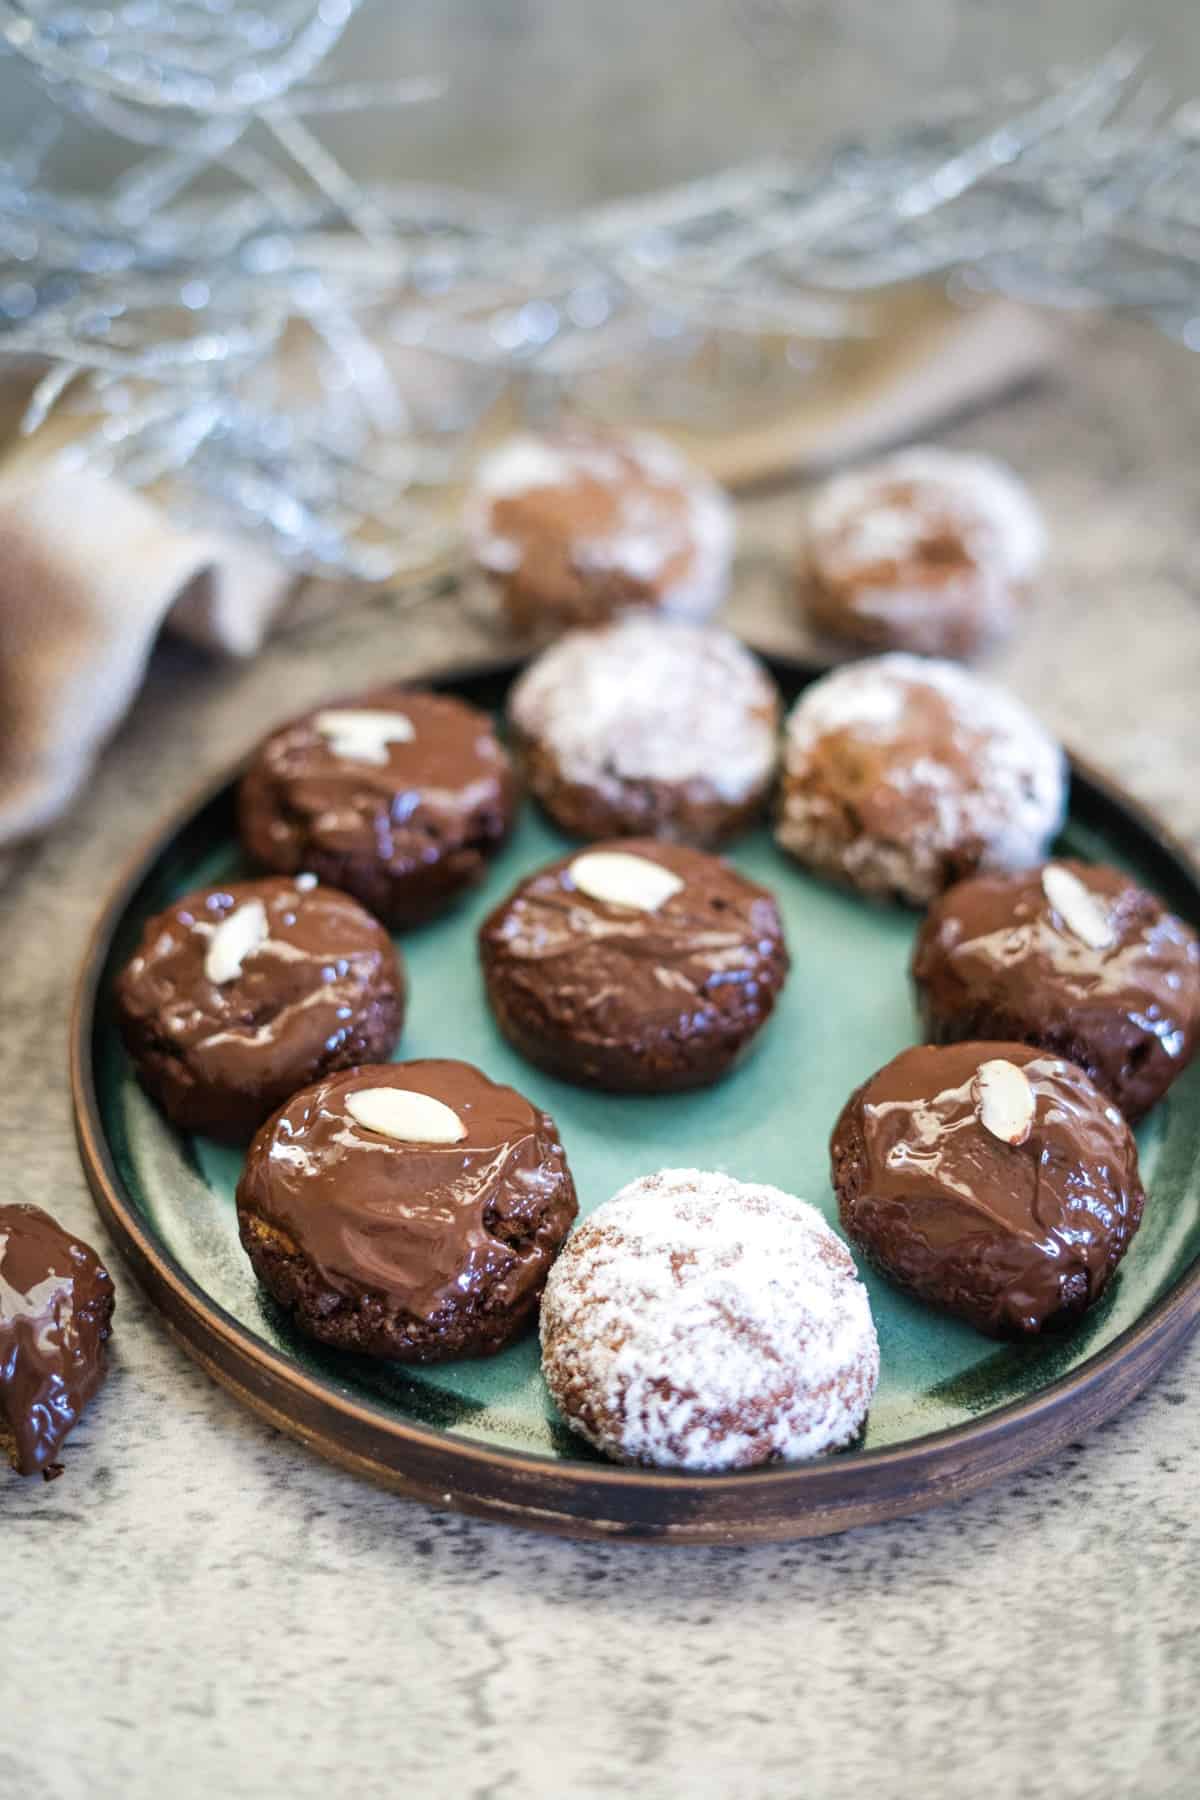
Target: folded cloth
<point x="91" y="571"/>
<point x="88" y="572"/>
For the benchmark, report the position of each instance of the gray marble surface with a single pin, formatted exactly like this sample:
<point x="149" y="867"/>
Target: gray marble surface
<point x="199" y="1607"/>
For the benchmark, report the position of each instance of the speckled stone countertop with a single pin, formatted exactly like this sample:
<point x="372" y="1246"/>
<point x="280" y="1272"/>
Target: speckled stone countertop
<point x="200" y="1607"/>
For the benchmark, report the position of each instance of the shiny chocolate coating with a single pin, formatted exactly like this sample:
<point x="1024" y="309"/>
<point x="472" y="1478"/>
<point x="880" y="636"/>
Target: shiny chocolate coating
<point x="406" y="835"/>
<point x="417" y="1251"/>
<point x="325" y="991"/>
<point x="56" y="1305"/>
<point x="994" y="958"/>
<point x="628" y="1000"/>
<point x="1013" y="1237"/>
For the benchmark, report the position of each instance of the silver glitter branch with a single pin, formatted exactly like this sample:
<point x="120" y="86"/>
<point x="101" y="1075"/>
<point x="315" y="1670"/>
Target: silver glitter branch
<point x="305" y="357"/>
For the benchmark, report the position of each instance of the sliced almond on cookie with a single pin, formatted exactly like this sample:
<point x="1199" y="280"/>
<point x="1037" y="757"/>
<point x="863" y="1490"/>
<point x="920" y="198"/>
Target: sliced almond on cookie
<point x="241" y="932"/>
<point x="361" y="735"/>
<point x="1082" y="912"/>
<point x="406" y="1116"/>
<point x="621" y="879"/>
<point x="1004" y="1100"/>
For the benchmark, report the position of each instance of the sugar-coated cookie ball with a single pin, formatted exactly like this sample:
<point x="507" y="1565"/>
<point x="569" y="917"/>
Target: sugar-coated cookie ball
<point x="647" y="728"/>
<point x="901" y="775"/>
<point x="574" y="526"/>
<point x="698" y="1322"/>
<point x="929" y="550"/>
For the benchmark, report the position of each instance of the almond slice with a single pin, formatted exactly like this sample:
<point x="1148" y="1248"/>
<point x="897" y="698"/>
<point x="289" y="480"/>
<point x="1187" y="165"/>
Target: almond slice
<point x="361" y="735"/>
<point x="405" y="1115"/>
<point x="241" y="932"/>
<point x="621" y="879"/>
<point x="1084" y="916"/>
<point x="1004" y="1100"/>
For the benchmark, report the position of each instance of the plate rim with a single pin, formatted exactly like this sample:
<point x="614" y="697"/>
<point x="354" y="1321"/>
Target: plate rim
<point x="565" y="1496"/>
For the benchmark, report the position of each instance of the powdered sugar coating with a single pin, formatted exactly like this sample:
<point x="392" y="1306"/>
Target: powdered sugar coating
<point x="903" y="773"/>
<point x="929" y="550"/>
<point x="646" y="479"/>
<point x="978" y="493"/>
<point x="698" y="1322"/>
<point x="649" y="699"/>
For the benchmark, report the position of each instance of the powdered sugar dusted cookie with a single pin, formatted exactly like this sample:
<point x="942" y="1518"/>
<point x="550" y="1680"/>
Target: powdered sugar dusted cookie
<point x="698" y="1322"/>
<point x="648" y="728"/>
<point x="578" y="525"/>
<point x="903" y="774"/>
<point x="929" y="550"/>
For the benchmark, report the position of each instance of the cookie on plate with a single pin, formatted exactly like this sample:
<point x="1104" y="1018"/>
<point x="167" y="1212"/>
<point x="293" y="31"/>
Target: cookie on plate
<point x="993" y="1181"/>
<point x="902" y="775"/>
<point x="574" y="526"/>
<point x="241" y="993"/>
<point x="56" y="1307"/>
<point x="698" y="1322"/>
<point x="1074" y="958"/>
<point x="635" y="966"/>
<point x="930" y="550"/>
<point x="400" y="797"/>
<point x="647" y="728"/>
<point x="408" y="1210"/>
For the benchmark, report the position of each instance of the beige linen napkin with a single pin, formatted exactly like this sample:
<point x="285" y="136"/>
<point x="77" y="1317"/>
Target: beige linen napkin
<point x="90" y="572"/>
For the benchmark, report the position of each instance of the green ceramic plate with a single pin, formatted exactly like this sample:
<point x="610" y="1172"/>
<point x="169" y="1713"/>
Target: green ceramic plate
<point x="953" y="1409"/>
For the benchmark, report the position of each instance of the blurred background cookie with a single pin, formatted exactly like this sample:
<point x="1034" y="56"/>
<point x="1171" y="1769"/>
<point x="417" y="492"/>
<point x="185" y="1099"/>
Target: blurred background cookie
<point x="698" y="1322"/>
<point x="398" y="796"/>
<point x="415" y="1213"/>
<point x="902" y="774"/>
<point x="991" y="1180"/>
<point x="577" y="525"/>
<point x="239" y="994"/>
<point x="928" y="550"/>
<point x="635" y="966"/>
<point x="1072" y="957"/>
<point x="648" y="728"/>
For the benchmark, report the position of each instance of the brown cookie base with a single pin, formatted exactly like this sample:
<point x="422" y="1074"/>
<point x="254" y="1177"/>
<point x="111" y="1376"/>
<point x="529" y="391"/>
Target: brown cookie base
<point x="400" y="897"/>
<point x="965" y="627"/>
<point x="232" y="1116"/>
<point x="365" y="1324"/>
<point x="676" y="814"/>
<point x="661" y="1062"/>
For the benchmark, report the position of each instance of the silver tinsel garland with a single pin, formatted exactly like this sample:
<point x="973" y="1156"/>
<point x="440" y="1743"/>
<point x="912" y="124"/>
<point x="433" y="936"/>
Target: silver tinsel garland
<point x="305" y="357"/>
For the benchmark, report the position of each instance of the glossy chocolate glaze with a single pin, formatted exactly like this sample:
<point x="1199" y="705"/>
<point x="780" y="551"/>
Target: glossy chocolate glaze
<point x="326" y="983"/>
<point x="439" y="1232"/>
<point x="630" y="999"/>
<point x="1011" y="1237"/>
<point x="403" y="835"/>
<point x="56" y="1304"/>
<point x="995" y="959"/>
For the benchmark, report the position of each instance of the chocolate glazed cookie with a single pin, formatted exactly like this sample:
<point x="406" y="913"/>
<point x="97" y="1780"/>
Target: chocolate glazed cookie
<point x="238" y="995"/>
<point x="398" y="796"/>
<point x="989" y="1180"/>
<point x="636" y="966"/>
<point x="56" y="1307"/>
<point x="408" y="1210"/>
<point x="1072" y="957"/>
